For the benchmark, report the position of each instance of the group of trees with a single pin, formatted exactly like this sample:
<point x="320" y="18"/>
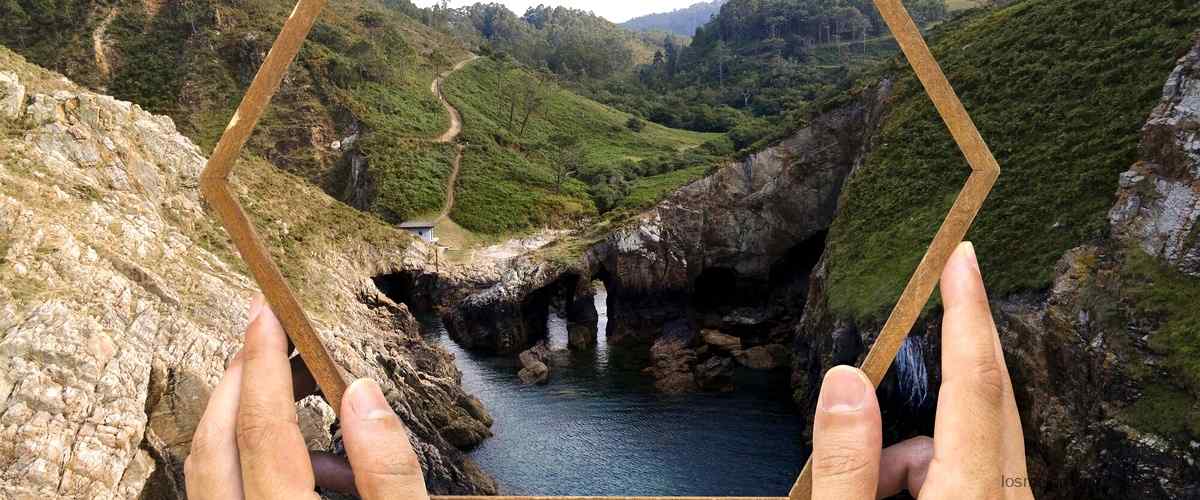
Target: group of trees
<point x="571" y="43"/>
<point x="522" y="97"/>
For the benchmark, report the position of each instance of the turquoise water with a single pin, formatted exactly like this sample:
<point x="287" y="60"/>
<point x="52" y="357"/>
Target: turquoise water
<point x="599" y="428"/>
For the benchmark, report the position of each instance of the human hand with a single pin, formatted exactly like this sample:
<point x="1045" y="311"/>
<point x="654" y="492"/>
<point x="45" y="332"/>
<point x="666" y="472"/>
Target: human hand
<point x="977" y="450"/>
<point x="248" y="443"/>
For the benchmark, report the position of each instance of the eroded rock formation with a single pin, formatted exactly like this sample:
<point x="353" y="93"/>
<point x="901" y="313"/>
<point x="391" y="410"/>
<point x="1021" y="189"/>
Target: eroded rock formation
<point x="731" y="252"/>
<point x="121" y="301"/>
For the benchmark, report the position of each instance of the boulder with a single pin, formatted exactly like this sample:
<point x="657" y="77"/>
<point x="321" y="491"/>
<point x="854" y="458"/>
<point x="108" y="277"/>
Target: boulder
<point x="12" y="96"/>
<point x="765" y="357"/>
<point x="535" y="367"/>
<point x="316" y="419"/>
<point x="721" y="341"/>
<point x="672" y="359"/>
<point x="534" y="373"/>
<point x="465" y="432"/>
<point x="715" y="374"/>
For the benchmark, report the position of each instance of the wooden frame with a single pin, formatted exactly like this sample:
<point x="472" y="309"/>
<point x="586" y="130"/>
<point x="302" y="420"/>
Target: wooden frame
<point x="215" y="187"/>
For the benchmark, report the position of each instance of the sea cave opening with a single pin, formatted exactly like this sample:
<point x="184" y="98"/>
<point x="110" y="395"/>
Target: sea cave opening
<point x="415" y="290"/>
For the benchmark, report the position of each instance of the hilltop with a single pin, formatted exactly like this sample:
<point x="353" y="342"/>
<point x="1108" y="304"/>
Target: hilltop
<point x="681" y="22"/>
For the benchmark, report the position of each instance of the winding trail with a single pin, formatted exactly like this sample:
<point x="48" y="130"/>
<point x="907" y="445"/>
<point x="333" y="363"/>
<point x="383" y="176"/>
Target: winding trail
<point x="99" y="45"/>
<point x="451" y="133"/>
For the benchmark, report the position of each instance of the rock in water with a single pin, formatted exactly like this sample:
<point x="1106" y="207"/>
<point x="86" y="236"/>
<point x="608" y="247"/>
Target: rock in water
<point x="535" y="373"/>
<point x="765" y="357"/>
<point x="672" y="359"/>
<point x="535" y="364"/>
<point x="715" y="374"/>
<point x="121" y="301"/>
<point x="720" y="340"/>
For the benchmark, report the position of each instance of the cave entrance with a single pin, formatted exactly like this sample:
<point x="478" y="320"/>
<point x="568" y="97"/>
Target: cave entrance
<point x="715" y="288"/>
<point x="563" y="313"/>
<point x="409" y="288"/>
<point x="797" y="264"/>
<point x="790" y="275"/>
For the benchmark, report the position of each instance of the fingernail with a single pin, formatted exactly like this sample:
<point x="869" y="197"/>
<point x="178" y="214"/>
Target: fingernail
<point x="232" y="361"/>
<point x="256" y="307"/>
<point x="367" y="401"/>
<point x="968" y="250"/>
<point x="844" y="390"/>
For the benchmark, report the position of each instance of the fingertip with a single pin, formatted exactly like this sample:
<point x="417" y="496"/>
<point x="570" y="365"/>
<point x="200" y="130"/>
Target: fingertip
<point x="844" y="389"/>
<point x="384" y="463"/>
<point x="265" y="332"/>
<point x="364" y="400"/>
<point x="962" y="279"/>
<point x="256" y="306"/>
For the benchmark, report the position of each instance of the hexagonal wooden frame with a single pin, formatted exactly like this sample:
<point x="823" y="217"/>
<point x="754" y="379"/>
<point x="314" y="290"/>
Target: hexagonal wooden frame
<point x="215" y="187"/>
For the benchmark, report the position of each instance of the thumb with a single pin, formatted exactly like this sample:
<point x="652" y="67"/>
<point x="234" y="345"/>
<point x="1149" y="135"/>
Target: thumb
<point x="847" y="437"/>
<point x="383" y="460"/>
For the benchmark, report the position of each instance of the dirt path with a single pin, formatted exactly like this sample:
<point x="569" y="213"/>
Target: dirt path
<point x="449" y="205"/>
<point x="99" y="47"/>
<point x="455" y="118"/>
<point x="451" y="133"/>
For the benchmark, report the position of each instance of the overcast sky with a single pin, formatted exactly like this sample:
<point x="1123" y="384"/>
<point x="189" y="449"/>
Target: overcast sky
<point x="616" y="11"/>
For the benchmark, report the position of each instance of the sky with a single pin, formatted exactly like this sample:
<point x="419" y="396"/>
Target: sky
<point x="617" y="11"/>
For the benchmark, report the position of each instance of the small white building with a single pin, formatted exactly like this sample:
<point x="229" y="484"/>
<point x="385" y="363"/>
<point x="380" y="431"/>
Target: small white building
<point x="420" y="229"/>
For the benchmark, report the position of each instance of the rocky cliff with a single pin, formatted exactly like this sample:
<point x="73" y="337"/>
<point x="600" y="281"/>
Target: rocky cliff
<point x="121" y="300"/>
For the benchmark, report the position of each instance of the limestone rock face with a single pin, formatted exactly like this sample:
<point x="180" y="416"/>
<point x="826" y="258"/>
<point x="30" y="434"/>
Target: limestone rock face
<point x="121" y="302"/>
<point x="712" y="245"/>
<point x="1159" y="197"/>
<point x="12" y="96"/>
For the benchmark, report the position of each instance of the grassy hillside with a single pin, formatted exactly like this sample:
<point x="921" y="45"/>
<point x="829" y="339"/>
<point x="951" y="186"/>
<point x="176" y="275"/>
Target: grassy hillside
<point x="1059" y="91"/>
<point x="508" y="179"/>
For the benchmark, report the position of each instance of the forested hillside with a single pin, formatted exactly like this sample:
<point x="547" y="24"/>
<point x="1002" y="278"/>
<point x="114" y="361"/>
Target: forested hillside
<point x="755" y="69"/>
<point x="681" y="22"/>
<point x="572" y="43"/>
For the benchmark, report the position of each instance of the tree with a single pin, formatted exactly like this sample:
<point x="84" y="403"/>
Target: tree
<point x="635" y="124"/>
<point x="721" y="56"/>
<point x="532" y="98"/>
<point x="568" y="159"/>
<point x="671" y="50"/>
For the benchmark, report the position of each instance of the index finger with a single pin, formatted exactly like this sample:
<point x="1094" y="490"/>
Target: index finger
<point x="273" y="455"/>
<point x="970" y="422"/>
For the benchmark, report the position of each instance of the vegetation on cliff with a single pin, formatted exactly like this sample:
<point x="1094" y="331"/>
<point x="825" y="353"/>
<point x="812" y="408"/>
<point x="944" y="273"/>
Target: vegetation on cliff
<point x="1059" y="92"/>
